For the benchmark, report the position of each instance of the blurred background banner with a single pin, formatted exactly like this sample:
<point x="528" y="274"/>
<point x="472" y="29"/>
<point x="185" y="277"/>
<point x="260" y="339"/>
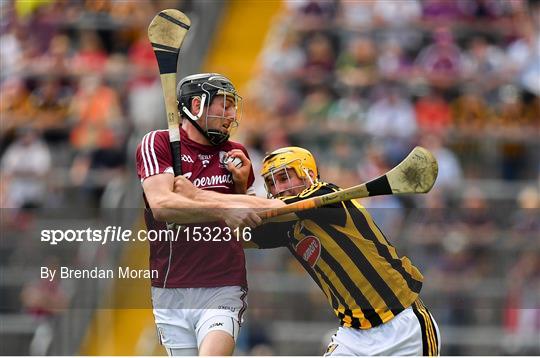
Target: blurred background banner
<point x="359" y="83"/>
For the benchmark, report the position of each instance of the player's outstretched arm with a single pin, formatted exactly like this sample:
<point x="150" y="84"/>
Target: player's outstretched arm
<point x="183" y="208"/>
<point x="232" y="201"/>
<point x="167" y="205"/>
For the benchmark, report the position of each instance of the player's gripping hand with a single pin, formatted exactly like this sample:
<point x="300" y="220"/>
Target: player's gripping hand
<point x="240" y="173"/>
<point x="184" y="186"/>
<point x="240" y="218"/>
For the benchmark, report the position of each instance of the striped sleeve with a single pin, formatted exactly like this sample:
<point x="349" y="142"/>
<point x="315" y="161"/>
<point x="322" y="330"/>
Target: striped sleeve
<point x="154" y="155"/>
<point x="271" y="235"/>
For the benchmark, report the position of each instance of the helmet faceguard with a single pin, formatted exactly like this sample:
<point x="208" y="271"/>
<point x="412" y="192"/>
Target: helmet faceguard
<point x="208" y="87"/>
<point x="277" y="163"/>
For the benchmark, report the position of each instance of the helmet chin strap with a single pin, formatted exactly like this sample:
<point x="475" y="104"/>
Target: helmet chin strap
<point x="214" y="136"/>
<point x="190" y="115"/>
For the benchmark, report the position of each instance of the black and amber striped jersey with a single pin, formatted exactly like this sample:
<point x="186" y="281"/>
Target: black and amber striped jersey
<point x="364" y="279"/>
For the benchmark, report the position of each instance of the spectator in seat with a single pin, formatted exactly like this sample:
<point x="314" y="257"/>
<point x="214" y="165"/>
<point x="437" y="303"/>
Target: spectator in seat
<point x="285" y="57"/>
<point x="56" y="59"/>
<point x="96" y="110"/>
<point x="441" y="62"/>
<point x="144" y="94"/>
<point x="313" y="15"/>
<point x="392" y="115"/>
<point x="437" y="12"/>
<point x="433" y="113"/>
<point x="320" y="60"/>
<point x="484" y="64"/>
<point x="392" y="64"/>
<point x="90" y="57"/>
<point x="526" y="221"/>
<point x="470" y="112"/>
<point x="357" y="66"/>
<point x="25" y="166"/>
<point x="317" y="104"/>
<point x="50" y="104"/>
<point x="15" y="109"/>
<point x="356" y="15"/>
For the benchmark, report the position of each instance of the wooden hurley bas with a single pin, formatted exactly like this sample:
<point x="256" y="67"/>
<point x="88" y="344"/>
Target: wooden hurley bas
<point x="166" y="34"/>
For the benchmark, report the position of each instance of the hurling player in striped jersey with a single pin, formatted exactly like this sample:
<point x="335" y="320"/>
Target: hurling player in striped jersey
<point x="372" y="290"/>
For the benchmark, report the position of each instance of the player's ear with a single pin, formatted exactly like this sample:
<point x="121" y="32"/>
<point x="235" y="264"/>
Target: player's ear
<point x="195" y="104"/>
<point x="312" y="176"/>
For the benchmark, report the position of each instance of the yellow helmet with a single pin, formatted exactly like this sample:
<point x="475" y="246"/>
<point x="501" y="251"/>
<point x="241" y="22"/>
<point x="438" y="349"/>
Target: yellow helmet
<point x="299" y="159"/>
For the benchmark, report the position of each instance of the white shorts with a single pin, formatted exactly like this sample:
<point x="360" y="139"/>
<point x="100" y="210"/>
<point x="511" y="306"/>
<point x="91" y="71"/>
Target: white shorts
<point x="407" y="334"/>
<point x="184" y="316"/>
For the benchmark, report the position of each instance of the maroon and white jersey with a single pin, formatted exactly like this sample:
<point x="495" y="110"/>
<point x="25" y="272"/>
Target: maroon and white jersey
<point x="189" y="263"/>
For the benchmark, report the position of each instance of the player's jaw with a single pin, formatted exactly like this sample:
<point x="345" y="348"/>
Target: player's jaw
<point x="220" y="123"/>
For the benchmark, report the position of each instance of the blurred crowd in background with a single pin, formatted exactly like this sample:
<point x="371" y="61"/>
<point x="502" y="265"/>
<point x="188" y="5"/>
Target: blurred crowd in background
<point x="78" y="79"/>
<point x="79" y="87"/>
<point x="359" y="83"/>
<point x="377" y="76"/>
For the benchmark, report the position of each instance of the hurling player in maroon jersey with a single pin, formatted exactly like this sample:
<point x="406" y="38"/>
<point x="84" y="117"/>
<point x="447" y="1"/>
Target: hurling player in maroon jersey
<point x="200" y="293"/>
